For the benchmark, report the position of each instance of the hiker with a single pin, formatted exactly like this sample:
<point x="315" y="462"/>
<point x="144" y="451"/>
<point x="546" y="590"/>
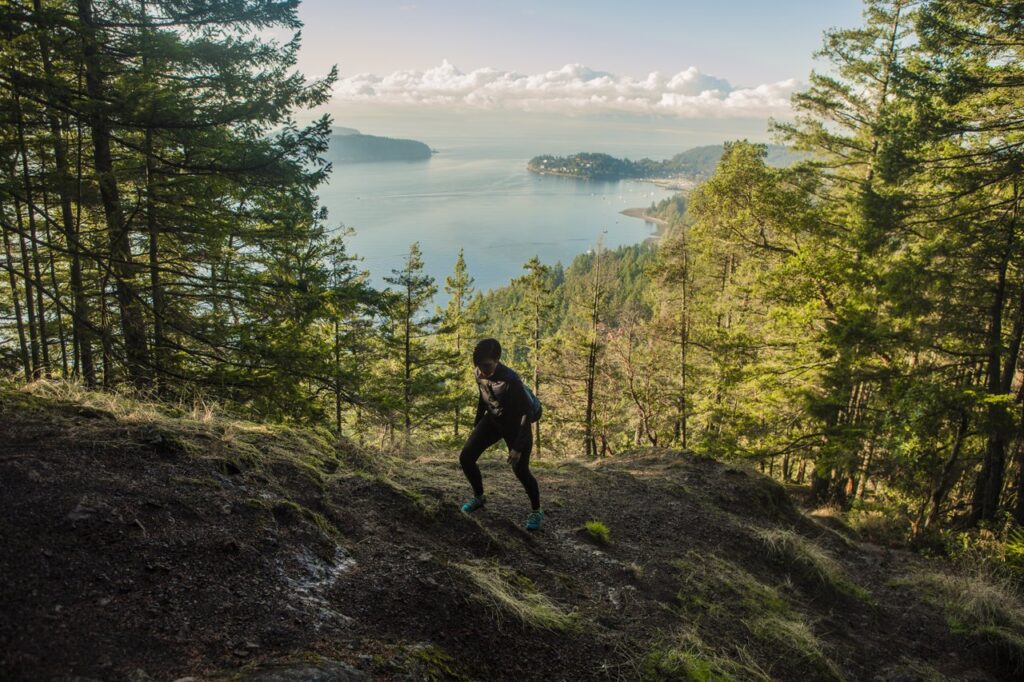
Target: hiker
<point x="505" y="410"/>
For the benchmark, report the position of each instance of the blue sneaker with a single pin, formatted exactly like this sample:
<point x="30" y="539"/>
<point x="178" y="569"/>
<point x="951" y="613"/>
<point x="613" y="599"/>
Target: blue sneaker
<point x="534" y="519"/>
<point x="473" y="504"/>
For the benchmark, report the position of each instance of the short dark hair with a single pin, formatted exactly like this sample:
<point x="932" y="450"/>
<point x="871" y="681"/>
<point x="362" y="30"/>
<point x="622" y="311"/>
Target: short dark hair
<point x="486" y="349"/>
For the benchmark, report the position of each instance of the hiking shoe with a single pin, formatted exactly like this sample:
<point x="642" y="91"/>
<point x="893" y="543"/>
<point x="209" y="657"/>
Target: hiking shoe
<point x="473" y="504"/>
<point x="534" y="519"/>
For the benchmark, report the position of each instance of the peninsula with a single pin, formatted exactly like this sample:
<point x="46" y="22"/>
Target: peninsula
<point x="348" y="145"/>
<point x="679" y="172"/>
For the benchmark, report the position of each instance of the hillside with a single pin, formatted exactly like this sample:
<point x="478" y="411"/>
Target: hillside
<point x="146" y="542"/>
<point x="355" y="147"/>
<point x="697" y="163"/>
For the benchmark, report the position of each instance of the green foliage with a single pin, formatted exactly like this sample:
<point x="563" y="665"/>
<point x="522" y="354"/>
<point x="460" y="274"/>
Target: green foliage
<point x="699" y="162"/>
<point x="598" y="531"/>
<point x="848" y="312"/>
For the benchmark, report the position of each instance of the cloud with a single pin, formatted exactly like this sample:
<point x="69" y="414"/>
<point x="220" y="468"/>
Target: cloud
<point x="572" y="89"/>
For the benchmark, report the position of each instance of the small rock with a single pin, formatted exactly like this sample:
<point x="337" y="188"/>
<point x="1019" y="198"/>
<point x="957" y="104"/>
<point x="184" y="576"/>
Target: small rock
<point x="82" y="511"/>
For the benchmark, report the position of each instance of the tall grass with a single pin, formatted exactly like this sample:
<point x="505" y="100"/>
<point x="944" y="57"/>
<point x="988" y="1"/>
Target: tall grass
<point x="981" y="605"/>
<point x="516" y="596"/>
<point x="808" y="561"/>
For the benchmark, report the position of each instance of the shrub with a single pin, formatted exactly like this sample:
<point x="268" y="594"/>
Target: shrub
<point x="598" y="531"/>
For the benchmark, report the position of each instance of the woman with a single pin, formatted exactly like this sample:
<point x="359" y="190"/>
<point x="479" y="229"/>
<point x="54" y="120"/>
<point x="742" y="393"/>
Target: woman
<point x="502" y="413"/>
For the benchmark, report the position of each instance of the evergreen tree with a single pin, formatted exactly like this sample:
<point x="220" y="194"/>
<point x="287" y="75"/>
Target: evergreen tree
<point x="534" y="312"/>
<point x="459" y="321"/>
<point x="408" y="337"/>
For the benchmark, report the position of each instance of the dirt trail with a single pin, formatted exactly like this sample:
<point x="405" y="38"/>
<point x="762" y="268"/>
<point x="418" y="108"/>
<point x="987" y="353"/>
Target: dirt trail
<point x="138" y="548"/>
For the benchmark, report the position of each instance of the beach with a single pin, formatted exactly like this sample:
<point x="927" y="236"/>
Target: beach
<point x="647" y="218"/>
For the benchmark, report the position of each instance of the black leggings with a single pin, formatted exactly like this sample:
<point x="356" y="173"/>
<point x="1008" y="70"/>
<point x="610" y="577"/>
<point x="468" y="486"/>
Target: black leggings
<point x="484" y="436"/>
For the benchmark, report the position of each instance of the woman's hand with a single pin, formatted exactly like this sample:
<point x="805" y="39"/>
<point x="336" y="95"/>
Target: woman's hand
<point x="513" y="457"/>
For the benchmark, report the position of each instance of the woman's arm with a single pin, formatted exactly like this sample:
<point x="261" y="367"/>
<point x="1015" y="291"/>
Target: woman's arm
<point x="521" y="407"/>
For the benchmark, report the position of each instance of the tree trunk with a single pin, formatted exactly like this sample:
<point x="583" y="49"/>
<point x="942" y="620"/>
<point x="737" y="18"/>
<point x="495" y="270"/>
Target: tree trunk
<point x="1018" y="507"/>
<point x="37" y="280"/>
<point x="989" y="483"/>
<point x="536" y="368"/>
<point x="133" y="326"/>
<point x="80" y="305"/>
<point x="11" y="269"/>
<point x="156" y="286"/>
<point x="30" y="285"/>
<point x="946" y="479"/>
<point x="408" y="364"/>
<point x="58" y="304"/>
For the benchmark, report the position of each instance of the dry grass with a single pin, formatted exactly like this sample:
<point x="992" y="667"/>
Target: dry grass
<point x="792" y="638"/>
<point x="194" y="426"/>
<point x="808" y="561"/>
<point x="716" y="584"/>
<point x="982" y="606"/>
<point x="516" y="596"/>
<point x="879" y="527"/>
<point x="687" y="657"/>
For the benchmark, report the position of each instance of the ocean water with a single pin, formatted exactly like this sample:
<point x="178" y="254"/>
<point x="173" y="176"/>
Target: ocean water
<point x="476" y="194"/>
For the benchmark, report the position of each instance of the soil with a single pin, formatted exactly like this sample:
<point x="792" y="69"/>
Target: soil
<point x="148" y="549"/>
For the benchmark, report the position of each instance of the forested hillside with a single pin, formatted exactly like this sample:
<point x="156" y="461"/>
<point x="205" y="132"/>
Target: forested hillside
<point x="156" y="541"/>
<point x="850" y="325"/>
<point x="693" y="164"/>
<point x="358" y="148"/>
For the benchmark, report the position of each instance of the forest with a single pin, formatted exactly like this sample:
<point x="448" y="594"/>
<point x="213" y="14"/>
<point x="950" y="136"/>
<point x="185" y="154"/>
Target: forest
<point x="851" y="323"/>
<point x="698" y="163"/>
<point x="358" y="148"/>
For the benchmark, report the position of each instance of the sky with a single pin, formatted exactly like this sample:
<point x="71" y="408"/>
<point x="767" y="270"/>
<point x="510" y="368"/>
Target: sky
<point x="675" y="60"/>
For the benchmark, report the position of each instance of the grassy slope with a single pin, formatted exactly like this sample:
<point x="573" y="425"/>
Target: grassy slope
<point x="177" y="543"/>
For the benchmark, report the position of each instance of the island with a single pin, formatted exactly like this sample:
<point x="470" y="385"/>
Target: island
<point x="679" y="172"/>
<point x="348" y="145"/>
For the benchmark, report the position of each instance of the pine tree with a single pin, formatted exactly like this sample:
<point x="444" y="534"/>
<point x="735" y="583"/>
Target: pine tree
<point x="459" y="321"/>
<point x="534" y="312"/>
<point x="408" y="336"/>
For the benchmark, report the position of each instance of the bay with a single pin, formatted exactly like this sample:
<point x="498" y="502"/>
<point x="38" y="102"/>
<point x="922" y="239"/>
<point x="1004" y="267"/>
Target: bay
<point x="476" y="194"/>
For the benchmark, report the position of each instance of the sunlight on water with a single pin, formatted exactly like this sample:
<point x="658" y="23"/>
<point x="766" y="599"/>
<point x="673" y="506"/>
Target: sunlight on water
<point x="480" y="197"/>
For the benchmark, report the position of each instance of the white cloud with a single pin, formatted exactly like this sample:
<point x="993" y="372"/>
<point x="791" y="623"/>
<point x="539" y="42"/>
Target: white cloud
<point x="573" y="88"/>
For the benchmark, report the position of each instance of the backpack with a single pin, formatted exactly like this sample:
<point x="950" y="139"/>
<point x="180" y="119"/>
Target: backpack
<point x="536" y="409"/>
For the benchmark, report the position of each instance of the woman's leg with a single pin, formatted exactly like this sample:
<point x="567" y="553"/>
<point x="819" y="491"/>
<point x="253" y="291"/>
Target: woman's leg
<point x="525" y="476"/>
<point x="483" y="436"/>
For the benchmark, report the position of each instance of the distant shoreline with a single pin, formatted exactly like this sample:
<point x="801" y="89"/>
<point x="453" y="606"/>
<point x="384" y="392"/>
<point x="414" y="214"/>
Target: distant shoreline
<point x="642" y="214"/>
<point x="678" y="184"/>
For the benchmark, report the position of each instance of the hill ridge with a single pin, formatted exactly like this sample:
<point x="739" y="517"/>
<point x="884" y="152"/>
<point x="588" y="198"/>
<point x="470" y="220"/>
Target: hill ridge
<point x="157" y="540"/>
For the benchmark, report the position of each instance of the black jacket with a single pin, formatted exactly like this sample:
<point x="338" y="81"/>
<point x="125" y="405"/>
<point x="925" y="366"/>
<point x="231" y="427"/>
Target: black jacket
<point x="503" y="396"/>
